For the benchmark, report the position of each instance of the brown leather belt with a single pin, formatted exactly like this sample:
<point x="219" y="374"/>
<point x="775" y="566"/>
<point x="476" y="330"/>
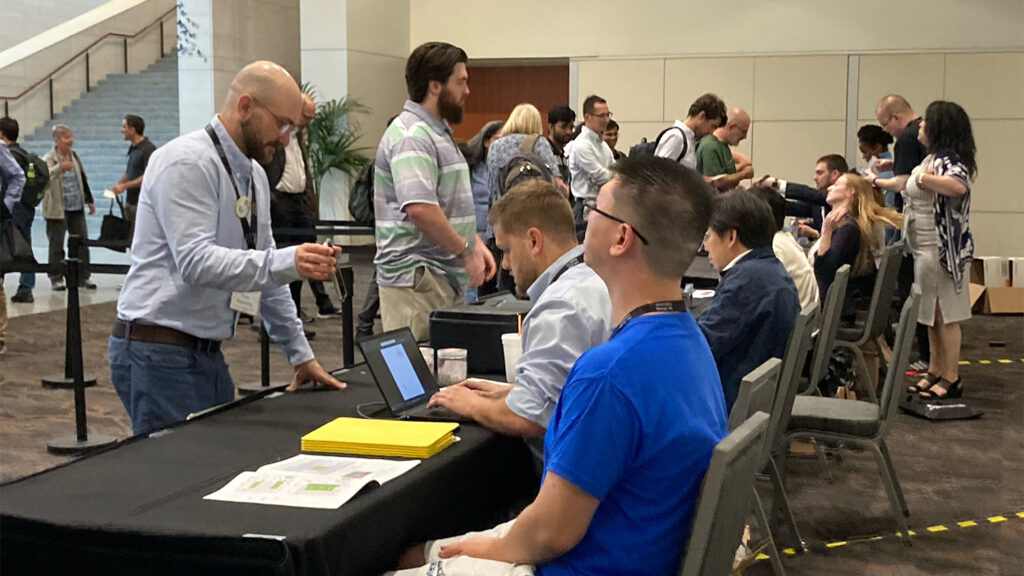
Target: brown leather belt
<point x="163" y="335"/>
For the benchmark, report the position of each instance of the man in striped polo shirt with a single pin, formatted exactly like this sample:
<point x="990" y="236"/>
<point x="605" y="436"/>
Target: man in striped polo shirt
<point x="427" y="247"/>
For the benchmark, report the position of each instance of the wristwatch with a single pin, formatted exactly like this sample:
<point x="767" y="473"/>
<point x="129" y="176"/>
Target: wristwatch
<point x="467" y="251"/>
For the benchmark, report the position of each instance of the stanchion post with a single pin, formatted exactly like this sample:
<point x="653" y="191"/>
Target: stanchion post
<point x="80" y="442"/>
<point x="264" y="357"/>
<point x="348" y="343"/>
<point x="73" y="326"/>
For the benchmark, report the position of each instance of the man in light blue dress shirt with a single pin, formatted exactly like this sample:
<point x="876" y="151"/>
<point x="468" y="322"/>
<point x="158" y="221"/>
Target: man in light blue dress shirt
<point x="193" y="268"/>
<point x="571" y="313"/>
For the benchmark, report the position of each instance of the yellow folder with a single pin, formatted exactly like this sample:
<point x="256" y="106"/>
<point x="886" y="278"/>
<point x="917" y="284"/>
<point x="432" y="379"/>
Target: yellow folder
<point x="381" y="437"/>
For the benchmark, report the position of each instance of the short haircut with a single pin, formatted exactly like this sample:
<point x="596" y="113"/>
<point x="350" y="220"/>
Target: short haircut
<point x="669" y="203"/>
<point x="775" y="201"/>
<point x="9" y="128"/>
<point x="893" y="104"/>
<point x="834" y="162"/>
<point x="874" y="135"/>
<point x="535" y="203"/>
<point x="136" y="122"/>
<point x="431" y="61"/>
<point x="561" y="114"/>
<point x="524" y="119"/>
<point x="612" y="125"/>
<point x="59" y="130"/>
<point x="711" y="105"/>
<point x="588" y="104"/>
<point x="745" y="213"/>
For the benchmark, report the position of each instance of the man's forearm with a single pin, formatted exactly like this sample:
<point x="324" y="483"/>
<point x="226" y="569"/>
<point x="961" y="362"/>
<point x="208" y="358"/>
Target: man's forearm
<point x="495" y="414"/>
<point x="431" y="221"/>
<point x="730" y="181"/>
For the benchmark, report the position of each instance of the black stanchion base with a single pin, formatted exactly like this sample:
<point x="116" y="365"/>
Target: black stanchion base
<point x="250" y="388"/>
<point x="61" y="382"/>
<point x="71" y="445"/>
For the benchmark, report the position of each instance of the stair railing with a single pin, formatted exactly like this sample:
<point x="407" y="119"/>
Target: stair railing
<point x="48" y="78"/>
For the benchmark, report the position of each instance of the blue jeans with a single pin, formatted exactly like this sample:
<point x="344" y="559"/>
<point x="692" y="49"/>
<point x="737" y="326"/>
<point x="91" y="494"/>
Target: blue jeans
<point x="23" y="220"/>
<point x="160" y="384"/>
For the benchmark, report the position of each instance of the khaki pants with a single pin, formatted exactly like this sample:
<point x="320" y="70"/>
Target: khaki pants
<point x="411" y="307"/>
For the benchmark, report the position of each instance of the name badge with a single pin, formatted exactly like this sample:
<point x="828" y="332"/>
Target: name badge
<point x="246" y="303"/>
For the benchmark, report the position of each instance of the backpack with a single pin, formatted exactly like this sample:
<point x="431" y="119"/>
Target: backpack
<point x="645" y="148"/>
<point x="360" y="199"/>
<point x="37" y="175"/>
<point x="525" y="165"/>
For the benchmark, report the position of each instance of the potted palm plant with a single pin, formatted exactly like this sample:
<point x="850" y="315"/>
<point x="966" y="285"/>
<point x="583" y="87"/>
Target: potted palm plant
<point x="331" y="138"/>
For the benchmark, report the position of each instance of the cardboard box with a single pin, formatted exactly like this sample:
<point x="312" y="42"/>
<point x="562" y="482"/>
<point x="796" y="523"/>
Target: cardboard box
<point x="977" y="291"/>
<point x="1017" y="272"/>
<point x="1004" y="300"/>
<point x="991" y="271"/>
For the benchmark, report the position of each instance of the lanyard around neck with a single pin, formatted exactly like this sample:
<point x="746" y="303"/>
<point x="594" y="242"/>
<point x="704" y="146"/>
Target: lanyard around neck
<point x="248" y="228"/>
<point x="651" y="308"/>
<point x="575" y="261"/>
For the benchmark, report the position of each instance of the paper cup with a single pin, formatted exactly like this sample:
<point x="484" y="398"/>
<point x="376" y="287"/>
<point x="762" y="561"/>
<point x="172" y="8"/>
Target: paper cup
<point x="513" y="346"/>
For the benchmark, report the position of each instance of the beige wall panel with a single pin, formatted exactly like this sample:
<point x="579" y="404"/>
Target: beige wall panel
<point x="378" y="82"/>
<point x="987" y="85"/>
<point x="247" y="30"/>
<point x="789" y="149"/>
<point x="634" y="89"/>
<point x="106" y="58"/>
<point x="916" y="77"/>
<point x="144" y="50"/>
<point x="615" y="28"/>
<point x="32" y="111"/>
<point x="630" y="133"/>
<point x="732" y="79"/>
<point x="379" y="26"/>
<point x="997" y="234"/>
<point x="800" y="88"/>
<point x="68" y="84"/>
<point x="1000" y="150"/>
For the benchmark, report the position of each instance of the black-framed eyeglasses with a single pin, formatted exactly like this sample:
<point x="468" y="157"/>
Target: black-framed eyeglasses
<point x="591" y="205"/>
<point x="284" y="125"/>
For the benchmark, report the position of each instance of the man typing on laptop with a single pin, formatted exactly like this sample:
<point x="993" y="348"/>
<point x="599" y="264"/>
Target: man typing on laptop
<point x="533" y="226"/>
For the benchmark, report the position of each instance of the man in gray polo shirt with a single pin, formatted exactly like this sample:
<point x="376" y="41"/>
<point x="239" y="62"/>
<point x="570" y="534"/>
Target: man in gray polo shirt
<point x="427" y="247"/>
<point x="533" y="226"/>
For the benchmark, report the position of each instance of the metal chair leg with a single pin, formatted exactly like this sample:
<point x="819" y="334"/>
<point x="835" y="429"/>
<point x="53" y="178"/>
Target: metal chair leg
<point x="762" y="520"/>
<point x="782" y="501"/>
<point x="819" y="450"/>
<point x="894" y="499"/>
<point x="862" y="369"/>
<point x="884" y="449"/>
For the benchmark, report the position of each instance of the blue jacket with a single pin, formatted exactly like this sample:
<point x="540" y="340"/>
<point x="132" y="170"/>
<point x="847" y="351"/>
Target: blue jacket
<point x="750" y="318"/>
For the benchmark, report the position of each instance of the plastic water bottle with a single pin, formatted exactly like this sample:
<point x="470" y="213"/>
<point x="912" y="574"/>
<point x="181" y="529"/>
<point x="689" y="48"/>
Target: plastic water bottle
<point x="31" y="172"/>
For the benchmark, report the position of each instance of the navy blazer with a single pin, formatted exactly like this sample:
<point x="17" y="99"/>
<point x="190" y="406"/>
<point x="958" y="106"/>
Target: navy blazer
<point x="750" y="318"/>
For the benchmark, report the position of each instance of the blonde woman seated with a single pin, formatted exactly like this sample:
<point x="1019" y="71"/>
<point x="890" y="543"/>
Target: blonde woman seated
<point x="850" y="235"/>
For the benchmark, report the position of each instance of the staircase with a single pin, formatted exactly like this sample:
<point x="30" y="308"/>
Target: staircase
<point x="95" y="117"/>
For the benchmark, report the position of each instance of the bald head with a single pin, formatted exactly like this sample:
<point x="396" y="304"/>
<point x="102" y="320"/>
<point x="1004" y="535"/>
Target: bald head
<point x="308" y="110"/>
<point x="736" y="126"/>
<point x="893" y="113"/>
<point x="268" y="84"/>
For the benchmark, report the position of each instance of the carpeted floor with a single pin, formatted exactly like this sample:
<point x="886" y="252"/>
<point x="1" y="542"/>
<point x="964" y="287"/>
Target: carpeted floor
<point x="951" y="472"/>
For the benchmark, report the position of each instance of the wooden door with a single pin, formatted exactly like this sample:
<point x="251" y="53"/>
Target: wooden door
<point x="495" y="90"/>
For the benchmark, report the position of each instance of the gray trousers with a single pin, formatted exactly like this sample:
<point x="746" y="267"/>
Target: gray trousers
<point x="73" y="223"/>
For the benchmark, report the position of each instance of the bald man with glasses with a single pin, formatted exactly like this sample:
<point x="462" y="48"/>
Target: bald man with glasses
<point x="203" y="253"/>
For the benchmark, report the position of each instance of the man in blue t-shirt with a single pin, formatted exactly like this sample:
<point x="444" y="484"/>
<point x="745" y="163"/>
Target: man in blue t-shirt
<point x="632" y="433"/>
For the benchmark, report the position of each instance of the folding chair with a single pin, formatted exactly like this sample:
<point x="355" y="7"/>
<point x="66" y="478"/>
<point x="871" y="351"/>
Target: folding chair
<point x="718" y="521"/>
<point x="757" y="394"/>
<point x="878" y="314"/>
<point x="826" y="340"/>
<point x="865" y="423"/>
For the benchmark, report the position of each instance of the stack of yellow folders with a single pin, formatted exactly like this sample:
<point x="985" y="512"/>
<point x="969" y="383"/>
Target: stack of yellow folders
<point x="401" y="438"/>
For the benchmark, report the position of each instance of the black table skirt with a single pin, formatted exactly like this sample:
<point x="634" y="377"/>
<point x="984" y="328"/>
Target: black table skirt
<point x="139" y="508"/>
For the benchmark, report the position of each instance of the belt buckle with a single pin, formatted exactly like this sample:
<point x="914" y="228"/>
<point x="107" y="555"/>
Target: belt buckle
<point x="204" y="345"/>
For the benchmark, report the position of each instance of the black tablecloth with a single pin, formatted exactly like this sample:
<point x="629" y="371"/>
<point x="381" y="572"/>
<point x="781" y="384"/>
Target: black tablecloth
<point x="139" y="508"/>
<point x="701" y="273"/>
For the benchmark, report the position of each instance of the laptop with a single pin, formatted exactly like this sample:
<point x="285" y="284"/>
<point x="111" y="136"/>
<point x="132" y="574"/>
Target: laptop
<point x="403" y="377"/>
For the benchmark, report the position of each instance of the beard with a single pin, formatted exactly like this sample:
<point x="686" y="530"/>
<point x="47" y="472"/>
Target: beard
<point x="256" y="149"/>
<point x="449" y="109"/>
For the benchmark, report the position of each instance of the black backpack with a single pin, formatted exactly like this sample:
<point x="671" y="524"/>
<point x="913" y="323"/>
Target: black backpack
<point x="525" y="165"/>
<point x="360" y="200"/>
<point x="37" y="175"/>
<point x="645" y="148"/>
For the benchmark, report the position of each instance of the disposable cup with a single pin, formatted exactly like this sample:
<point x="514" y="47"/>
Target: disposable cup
<point x="513" y="346"/>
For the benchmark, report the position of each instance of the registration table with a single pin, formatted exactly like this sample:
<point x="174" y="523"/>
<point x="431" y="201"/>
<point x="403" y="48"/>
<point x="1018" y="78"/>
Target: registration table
<point x="139" y="508"/>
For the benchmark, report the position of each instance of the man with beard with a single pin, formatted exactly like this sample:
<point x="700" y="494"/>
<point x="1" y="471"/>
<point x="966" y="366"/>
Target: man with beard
<point x="427" y="246"/>
<point x="571" y="314"/>
<point x="203" y="253"/>
<point x="715" y="152"/>
<point x="560" y="125"/>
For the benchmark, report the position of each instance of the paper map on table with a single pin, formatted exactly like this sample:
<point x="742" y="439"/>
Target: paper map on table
<point x="307" y="481"/>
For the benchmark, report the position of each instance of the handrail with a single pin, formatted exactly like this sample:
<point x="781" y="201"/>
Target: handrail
<point x="90" y="47"/>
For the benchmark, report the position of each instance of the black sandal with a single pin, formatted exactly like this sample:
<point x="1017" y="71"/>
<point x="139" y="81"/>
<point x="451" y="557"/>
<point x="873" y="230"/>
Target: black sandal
<point x="949" y="389"/>
<point x="932" y="380"/>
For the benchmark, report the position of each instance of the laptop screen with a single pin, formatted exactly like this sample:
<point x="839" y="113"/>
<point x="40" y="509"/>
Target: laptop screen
<point x="398" y="367"/>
